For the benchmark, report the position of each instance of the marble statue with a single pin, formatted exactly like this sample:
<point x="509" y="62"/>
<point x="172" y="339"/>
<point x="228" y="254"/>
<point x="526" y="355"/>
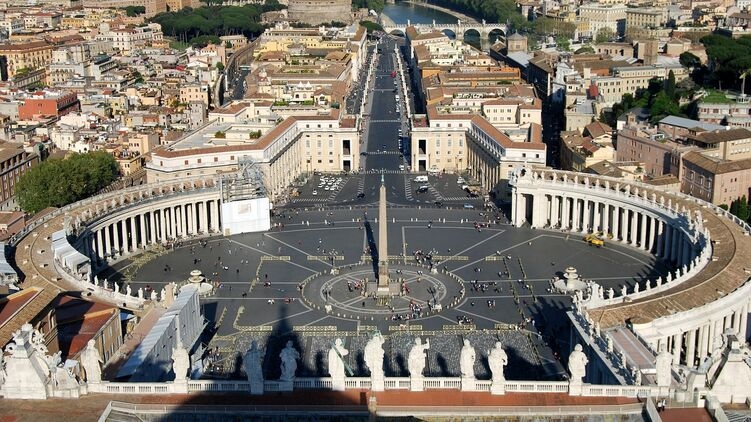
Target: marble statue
<point x="153" y="295"/>
<point x="497" y="360"/>
<point x="663" y="364"/>
<point x="128" y="290"/>
<point x="637" y="376"/>
<point x="91" y="360"/>
<point x="624" y="290"/>
<point x="252" y="364"/>
<point x="416" y="361"/>
<point x="140" y="292"/>
<point x="611" y="293"/>
<point x="609" y="344"/>
<point x="2" y="368"/>
<point x="467" y="358"/>
<point x="374" y="357"/>
<point x="577" y="364"/>
<point x="96" y="281"/>
<point x="636" y="287"/>
<point x="117" y="287"/>
<point x="180" y="361"/>
<point x="336" y="365"/>
<point x="289" y="362"/>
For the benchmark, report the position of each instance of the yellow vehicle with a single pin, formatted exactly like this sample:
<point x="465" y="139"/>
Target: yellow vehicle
<point x="594" y="239"/>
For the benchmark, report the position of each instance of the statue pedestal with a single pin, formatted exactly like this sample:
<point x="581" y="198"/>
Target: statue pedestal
<point x="415" y="383"/>
<point x="285" y="385"/>
<point x="377" y="384"/>
<point x="180" y="387"/>
<point x="498" y="388"/>
<point x="256" y="388"/>
<point x="575" y="388"/>
<point x="469" y="384"/>
<point x="337" y="384"/>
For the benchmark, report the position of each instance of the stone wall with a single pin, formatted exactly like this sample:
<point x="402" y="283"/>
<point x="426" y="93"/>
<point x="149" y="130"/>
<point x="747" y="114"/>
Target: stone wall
<point x="316" y="12"/>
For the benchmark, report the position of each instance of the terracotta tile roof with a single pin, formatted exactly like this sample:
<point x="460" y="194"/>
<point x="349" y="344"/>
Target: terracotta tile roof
<point x="73" y="337"/>
<point x="720" y="136"/>
<point x="22" y="307"/>
<point x="716" y="166"/>
<point x="597" y="129"/>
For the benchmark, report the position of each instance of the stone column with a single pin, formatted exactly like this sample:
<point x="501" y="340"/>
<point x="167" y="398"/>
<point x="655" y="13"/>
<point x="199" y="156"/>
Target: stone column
<point x="691" y="348"/>
<point x="152" y="226"/>
<point x="188" y="218"/>
<point x="597" y="224"/>
<point x="133" y="234"/>
<point x="585" y="221"/>
<point x="162" y="225"/>
<point x="180" y="215"/>
<point x="644" y="219"/>
<point x="577" y="215"/>
<point x="633" y="228"/>
<point x="202" y="215"/>
<point x="144" y="235"/>
<point x="686" y="258"/>
<point x="624" y="225"/>
<point x="703" y="348"/>
<point x="107" y="241"/>
<point x="215" y="225"/>
<point x="652" y="233"/>
<point x="565" y="211"/>
<point x="616" y="221"/>
<point x="677" y="345"/>
<point x="743" y="326"/>
<point x="605" y="218"/>
<point x="675" y="245"/>
<point x="117" y="233"/>
<point x="99" y="244"/>
<point x="660" y="226"/>
<point x="554" y="211"/>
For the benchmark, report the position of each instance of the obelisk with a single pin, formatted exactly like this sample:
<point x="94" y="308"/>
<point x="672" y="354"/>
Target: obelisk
<point x="383" y="253"/>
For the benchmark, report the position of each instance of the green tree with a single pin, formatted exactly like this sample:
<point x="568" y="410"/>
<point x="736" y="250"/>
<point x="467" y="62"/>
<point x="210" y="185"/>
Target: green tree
<point x="220" y="66"/>
<point x="670" y="85"/>
<point x="587" y="49"/>
<point x="689" y="60"/>
<point x="57" y="182"/>
<point x="742" y="211"/>
<point x="604" y="34"/>
<point x="563" y="43"/>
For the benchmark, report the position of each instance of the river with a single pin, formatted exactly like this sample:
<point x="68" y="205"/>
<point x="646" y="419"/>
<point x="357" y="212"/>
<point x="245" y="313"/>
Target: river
<point x="401" y="12"/>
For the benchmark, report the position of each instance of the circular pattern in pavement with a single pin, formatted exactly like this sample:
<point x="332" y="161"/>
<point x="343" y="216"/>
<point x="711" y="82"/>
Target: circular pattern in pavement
<point x="351" y="293"/>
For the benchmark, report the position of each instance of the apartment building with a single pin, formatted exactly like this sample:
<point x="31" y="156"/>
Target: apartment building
<point x="23" y="57"/>
<point x="48" y="103"/>
<point x="14" y="162"/>
<point x="715" y="180"/>
<point x="721" y="110"/>
<point x="611" y="16"/>
<point x="627" y="80"/>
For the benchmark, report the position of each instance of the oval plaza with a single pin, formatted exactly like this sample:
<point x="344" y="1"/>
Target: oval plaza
<point x="695" y="316"/>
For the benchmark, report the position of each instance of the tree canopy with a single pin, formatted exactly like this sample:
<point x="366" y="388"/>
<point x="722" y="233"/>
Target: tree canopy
<point x="187" y="24"/>
<point x="728" y="58"/>
<point x="58" y="182"/>
<point x="376" y="5"/>
<point x="500" y="11"/>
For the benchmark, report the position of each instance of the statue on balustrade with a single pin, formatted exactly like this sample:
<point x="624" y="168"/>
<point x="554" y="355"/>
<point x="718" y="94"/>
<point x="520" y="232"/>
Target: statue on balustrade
<point x="252" y="364"/>
<point x="289" y="362"/>
<point x="663" y="365"/>
<point x="336" y="365"/>
<point x="577" y="364"/>
<point x="467" y="360"/>
<point x="180" y="361"/>
<point x="374" y="356"/>
<point x="497" y="360"/>
<point x="91" y="360"/>
<point x="416" y="361"/>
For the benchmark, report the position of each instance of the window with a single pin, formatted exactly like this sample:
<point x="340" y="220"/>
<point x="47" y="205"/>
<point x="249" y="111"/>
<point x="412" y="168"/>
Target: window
<point x="185" y="162"/>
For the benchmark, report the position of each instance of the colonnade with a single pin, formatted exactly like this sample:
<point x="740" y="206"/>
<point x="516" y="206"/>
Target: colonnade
<point x="691" y="346"/>
<point x="128" y="232"/>
<point x="638" y="227"/>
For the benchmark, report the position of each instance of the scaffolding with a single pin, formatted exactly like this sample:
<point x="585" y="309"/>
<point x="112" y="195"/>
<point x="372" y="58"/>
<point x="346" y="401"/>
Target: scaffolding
<point x="246" y="183"/>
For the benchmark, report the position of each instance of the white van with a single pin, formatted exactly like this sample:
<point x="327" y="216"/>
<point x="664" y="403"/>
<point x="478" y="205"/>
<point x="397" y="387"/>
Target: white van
<point x="421" y="179"/>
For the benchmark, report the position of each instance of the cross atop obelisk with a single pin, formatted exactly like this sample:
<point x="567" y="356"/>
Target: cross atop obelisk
<point x="383" y="253"/>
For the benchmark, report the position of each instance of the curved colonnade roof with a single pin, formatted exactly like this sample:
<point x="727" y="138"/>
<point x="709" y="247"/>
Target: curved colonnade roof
<point x="723" y="274"/>
<point x="33" y="252"/>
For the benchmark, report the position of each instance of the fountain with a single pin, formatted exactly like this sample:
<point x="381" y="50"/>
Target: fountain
<point x="570" y="282"/>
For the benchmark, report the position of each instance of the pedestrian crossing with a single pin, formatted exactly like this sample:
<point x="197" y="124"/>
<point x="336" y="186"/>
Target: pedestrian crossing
<point x="385" y="121"/>
<point x="384" y="153"/>
<point x="309" y="200"/>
